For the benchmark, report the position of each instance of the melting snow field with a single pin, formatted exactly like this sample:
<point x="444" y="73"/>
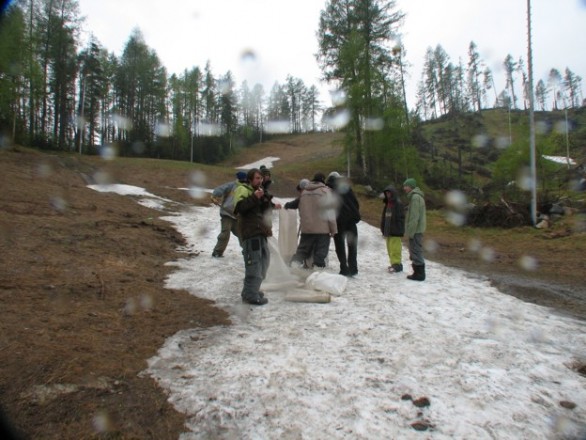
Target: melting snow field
<point x="387" y="358"/>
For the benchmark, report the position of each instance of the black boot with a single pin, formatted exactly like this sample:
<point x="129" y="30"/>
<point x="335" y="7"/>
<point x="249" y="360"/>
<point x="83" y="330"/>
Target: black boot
<point x="418" y="273"/>
<point x="397" y="268"/>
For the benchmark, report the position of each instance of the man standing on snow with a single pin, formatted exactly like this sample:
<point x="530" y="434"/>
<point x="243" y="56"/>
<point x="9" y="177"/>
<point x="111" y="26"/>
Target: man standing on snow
<point x="317" y="219"/>
<point x="415" y="225"/>
<point x="252" y="206"/>
<point x="223" y="196"/>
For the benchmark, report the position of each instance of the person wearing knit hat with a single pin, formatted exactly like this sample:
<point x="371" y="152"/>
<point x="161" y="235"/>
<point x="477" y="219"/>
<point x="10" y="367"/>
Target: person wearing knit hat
<point x="241" y="176"/>
<point x="319" y="177"/>
<point x="266" y="177"/>
<point x="415" y="225"/>
<point x="317" y="220"/>
<point x="411" y="183"/>
<point x="223" y="196"/>
<point x="294" y="204"/>
<point x="302" y="184"/>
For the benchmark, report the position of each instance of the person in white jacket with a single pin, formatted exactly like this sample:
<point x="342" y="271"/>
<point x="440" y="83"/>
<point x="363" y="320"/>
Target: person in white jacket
<point x="317" y="218"/>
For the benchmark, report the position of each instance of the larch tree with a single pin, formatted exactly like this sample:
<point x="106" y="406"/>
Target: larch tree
<point x="227" y="104"/>
<point x="510" y="67"/>
<point x="474" y="74"/>
<point x="355" y="40"/>
<point x="541" y="93"/>
<point x="310" y="108"/>
<point x="555" y="83"/>
<point x="572" y="86"/>
<point x="488" y="81"/>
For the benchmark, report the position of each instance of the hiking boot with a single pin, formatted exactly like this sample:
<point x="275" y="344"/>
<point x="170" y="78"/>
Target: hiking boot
<point x="258" y="301"/>
<point x="395" y="268"/>
<point x="418" y="273"/>
<point x="217" y="255"/>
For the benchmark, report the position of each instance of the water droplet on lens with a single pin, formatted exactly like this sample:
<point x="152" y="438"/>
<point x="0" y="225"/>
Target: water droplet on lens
<point x="108" y="152"/>
<point x="248" y="56"/>
<point x="480" y="141"/>
<point x="528" y="263"/>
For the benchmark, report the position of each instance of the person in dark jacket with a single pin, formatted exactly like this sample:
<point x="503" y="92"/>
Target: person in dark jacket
<point x="347" y="216"/>
<point x="392" y="226"/>
<point x="252" y="206"/>
<point x="267" y="179"/>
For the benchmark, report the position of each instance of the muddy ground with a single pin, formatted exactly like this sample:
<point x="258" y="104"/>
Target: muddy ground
<point x="83" y="303"/>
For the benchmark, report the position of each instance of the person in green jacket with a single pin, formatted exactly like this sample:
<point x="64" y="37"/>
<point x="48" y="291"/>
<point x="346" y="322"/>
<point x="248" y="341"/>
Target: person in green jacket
<point x="415" y="224"/>
<point x="253" y="207"/>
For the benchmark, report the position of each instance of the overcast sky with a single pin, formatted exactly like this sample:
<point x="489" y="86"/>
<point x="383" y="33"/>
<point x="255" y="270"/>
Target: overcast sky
<point x="282" y="34"/>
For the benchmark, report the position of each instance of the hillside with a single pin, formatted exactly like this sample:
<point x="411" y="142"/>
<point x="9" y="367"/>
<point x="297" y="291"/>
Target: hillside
<point x="461" y="151"/>
<point x="82" y="282"/>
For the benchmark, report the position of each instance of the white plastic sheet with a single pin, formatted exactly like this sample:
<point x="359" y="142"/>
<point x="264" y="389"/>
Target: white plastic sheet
<point x="287" y="233"/>
<point x="327" y="282"/>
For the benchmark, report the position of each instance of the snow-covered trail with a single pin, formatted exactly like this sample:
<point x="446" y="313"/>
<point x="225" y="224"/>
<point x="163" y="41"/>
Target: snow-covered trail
<point x="491" y="365"/>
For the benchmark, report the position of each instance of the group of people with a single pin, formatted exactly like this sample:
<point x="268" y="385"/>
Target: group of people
<point x="328" y="208"/>
<point x="395" y="224"/>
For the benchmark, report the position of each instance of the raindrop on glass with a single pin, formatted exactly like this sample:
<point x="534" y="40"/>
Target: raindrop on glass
<point x="524" y="179"/>
<point x="102" y="178"/>
<point x="487" y="254"/>
<point x="146" y="302"/>
<point x="108" y="152"/>
<point x="163" y="130"/>
<point x="248" y="56"/>
<point x="373" y="124"/>
<point x="541" y="127"/>
<point x="44" y="170"/>
<point x="138" y="147"/>
<point x="528" y="263"/>
<point x="337" y="120"/>
<point x="101" y="423"/>
<point x="474" y="245"/>
<point x="431" y="246"/>
<point x="197" y="184"/>
<point x="480" y="141"/>
<point x="277" y="127"/>
<point x="58" y="204"/>
<point x="503" y="142"/>
<point x="338" y="97"/>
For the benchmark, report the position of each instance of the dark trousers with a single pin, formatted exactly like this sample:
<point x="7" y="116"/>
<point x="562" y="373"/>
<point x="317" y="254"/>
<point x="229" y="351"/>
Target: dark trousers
<point x="347" y="236"/>
<point x="416" y="250"/>
<point x="317" y="245"/>
<point x="257" y="258"/>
